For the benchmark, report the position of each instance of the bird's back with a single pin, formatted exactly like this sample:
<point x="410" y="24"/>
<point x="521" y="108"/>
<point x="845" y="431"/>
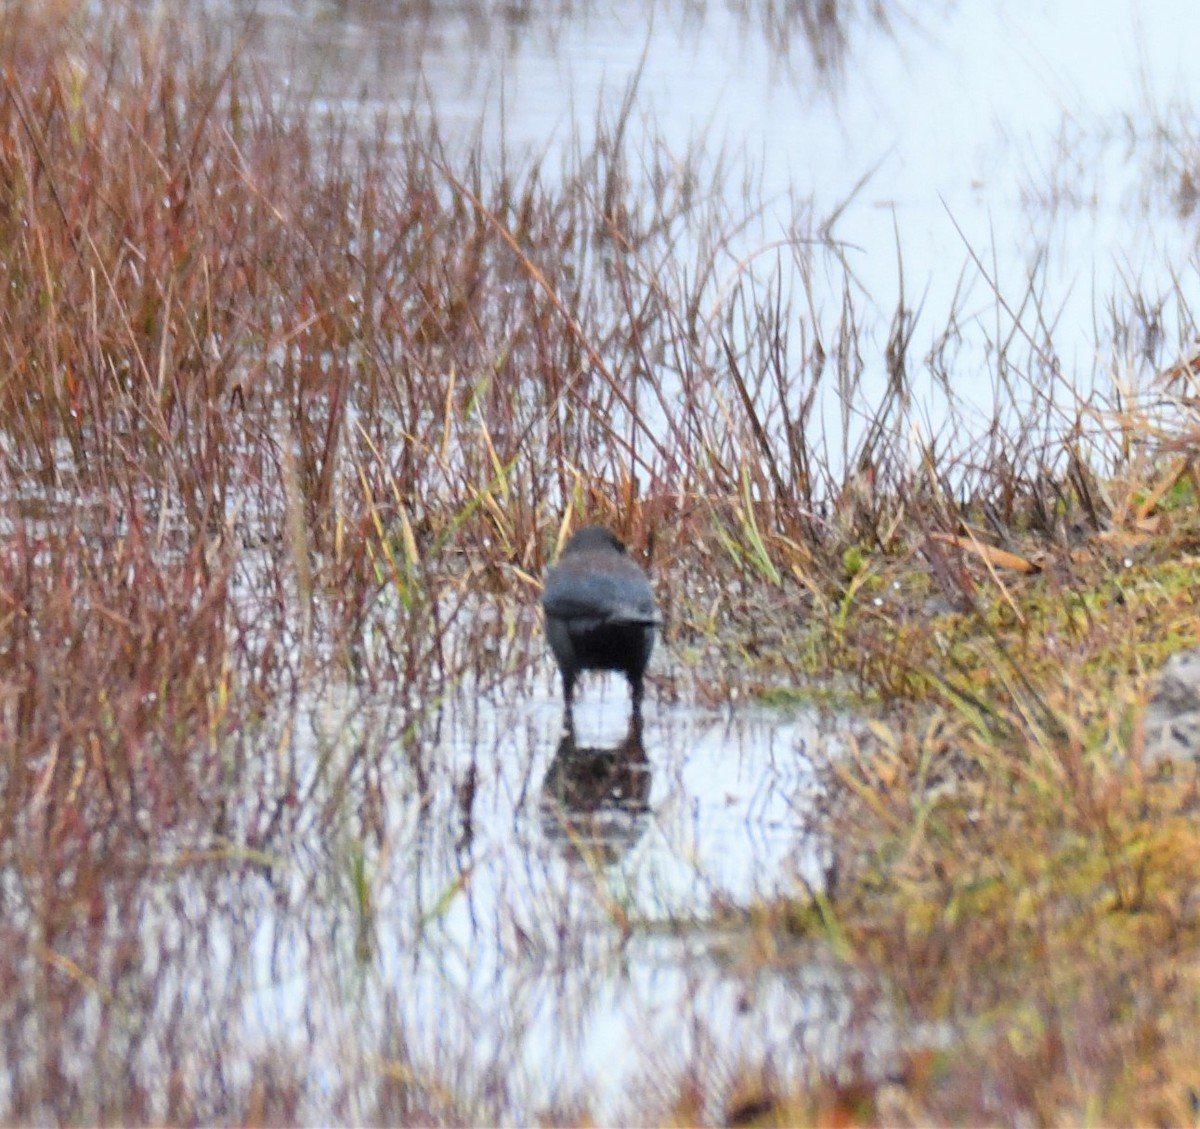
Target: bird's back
<point x="599" y="607"/>
<point x="585" y="594"/>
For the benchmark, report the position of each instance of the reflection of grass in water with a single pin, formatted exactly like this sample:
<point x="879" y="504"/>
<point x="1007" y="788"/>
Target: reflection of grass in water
<point x="282" y="407"/>
<point x="796" y="32"/>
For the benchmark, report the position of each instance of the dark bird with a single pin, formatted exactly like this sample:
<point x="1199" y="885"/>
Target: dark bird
<point x="600" y="612"/>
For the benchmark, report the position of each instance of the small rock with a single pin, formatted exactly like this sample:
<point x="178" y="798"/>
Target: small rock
<point x="1172" y="722"/>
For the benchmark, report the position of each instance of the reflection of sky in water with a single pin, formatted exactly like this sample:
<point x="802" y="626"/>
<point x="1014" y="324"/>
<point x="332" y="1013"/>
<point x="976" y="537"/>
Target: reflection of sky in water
<point x="509" y="953"/>
<point x="998" y="142"/>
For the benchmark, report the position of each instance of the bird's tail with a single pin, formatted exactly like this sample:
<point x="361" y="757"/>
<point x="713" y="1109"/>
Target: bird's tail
<point x="634" y="617"/>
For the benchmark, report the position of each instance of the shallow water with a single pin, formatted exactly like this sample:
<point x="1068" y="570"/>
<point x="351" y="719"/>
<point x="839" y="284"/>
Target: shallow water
<point x="503" y="944"/>
<point x="521" y="931"/>
<point x="1018" y="172"/>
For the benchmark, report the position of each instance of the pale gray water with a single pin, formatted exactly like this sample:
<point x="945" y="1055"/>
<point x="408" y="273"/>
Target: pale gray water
<point x="505" y="950"/>
<point x="994" y="143"/>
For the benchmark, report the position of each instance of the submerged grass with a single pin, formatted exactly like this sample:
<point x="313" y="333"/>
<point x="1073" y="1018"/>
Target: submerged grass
<point x="283" y="405"/>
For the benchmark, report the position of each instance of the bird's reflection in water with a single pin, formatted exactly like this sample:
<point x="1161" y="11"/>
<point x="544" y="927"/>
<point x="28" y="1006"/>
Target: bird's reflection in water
<point x="595" y="801"/>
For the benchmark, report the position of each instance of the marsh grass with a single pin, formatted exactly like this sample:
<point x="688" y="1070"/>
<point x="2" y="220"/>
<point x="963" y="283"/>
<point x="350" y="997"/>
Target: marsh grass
<point x="290" y="404"/>
<point x="1022" y="881"/>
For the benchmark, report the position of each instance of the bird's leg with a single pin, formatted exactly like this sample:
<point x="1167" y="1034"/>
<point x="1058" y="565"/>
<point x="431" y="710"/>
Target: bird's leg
<point x="633" y="736"/>
<point x="636" y="692"/>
